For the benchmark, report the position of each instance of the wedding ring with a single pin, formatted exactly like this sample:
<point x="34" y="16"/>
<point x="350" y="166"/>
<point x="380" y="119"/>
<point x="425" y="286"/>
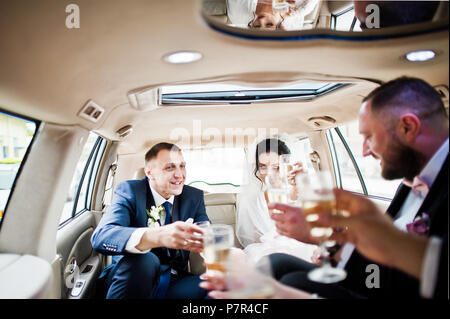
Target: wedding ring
<point x="185" y="243"/>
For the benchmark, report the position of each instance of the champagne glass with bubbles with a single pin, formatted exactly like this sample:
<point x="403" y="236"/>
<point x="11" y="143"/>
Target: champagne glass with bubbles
<point x="315" y="193"/>
<point x="276" y="189"/>
<point x="218" y="240"/>
<point x="286" y="166"/>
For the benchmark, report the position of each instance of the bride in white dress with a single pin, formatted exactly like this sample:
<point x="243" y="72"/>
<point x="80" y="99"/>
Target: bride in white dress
<point x="255" y="229"/>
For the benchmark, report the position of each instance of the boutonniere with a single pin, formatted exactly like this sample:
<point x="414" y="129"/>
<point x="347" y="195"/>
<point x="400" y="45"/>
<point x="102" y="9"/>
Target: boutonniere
<point x="420" y="225"/>
<point x="154" y="216"/>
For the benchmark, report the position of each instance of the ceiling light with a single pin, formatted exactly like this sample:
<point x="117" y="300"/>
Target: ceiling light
<point x="182" y="57"/>
<point x="420" y="56"/>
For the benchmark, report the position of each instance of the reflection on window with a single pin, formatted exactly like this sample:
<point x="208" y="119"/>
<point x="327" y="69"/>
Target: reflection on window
<point x="83" y="180"/>
<point x="346" y="21"/>
<point x="369" y="167"/>
<point x="218" y="170"/>
<point x="16" y="135"/>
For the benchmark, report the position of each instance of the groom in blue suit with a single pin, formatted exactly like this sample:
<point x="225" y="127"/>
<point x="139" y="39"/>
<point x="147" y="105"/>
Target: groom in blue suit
<point x="145" y="230"/>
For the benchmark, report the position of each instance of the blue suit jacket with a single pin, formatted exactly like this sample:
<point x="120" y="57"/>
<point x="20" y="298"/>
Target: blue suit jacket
<point x="128" y="212"/>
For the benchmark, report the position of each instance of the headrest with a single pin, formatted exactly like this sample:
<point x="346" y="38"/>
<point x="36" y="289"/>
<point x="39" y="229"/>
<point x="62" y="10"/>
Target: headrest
<point x="220" y="199"/>
<point x="139" y="173"/>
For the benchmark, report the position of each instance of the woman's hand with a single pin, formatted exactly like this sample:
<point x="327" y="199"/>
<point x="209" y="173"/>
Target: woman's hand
<point x="298" y="168"/>
<point x="291" y="222"/>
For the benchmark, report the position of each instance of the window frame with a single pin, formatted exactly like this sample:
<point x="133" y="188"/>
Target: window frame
<point x="335" y="162"/>
<point x="96" y="164"/>
<point x="94" y="158"/>
<point x="25" y="157"/>
<point x="334" y="18"/>
<point x="352" y="158"/>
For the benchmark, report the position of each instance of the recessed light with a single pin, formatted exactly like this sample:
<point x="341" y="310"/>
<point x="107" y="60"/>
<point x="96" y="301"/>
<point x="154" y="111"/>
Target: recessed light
<point x="182" y="57"/>
<point x="420" y="56"/>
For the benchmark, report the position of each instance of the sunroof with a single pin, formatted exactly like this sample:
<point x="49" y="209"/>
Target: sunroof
<point x="235" y="94"/>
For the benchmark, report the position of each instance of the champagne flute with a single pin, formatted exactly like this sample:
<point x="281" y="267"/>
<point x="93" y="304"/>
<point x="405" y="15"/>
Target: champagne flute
<point x="315" y="193"/>
<point x="276" y="189"/>
<point x="286" y="166"/>
<point x="280" y="5"/>
<point x="203" y="225"/>
<point x="246" y="280"/>
<point x="217" y="240"/>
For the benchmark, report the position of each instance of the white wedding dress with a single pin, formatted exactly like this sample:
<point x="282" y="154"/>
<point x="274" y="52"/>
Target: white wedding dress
<point x="255" y="229"/>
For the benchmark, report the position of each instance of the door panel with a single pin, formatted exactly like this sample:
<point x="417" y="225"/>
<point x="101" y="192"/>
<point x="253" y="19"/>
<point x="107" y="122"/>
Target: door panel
<point x="79" y="261"/>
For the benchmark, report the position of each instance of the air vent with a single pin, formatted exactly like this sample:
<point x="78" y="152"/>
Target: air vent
<point x="91" y="111"/>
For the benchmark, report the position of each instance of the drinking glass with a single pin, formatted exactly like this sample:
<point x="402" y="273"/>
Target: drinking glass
<point x="315" y="193"/>
<point x="276" y="189"/>
<point x="246" y="280"/>
<point x="280" y="5"/>
<point x="203" y="225"/>
<point x="286" y="166"/>
<point x="217" y="242"/>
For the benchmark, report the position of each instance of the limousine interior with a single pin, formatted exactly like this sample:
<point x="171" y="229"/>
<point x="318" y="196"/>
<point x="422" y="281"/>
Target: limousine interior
<point x="87" y="87"/>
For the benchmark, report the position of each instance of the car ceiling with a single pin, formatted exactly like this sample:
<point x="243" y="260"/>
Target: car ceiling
<point x="49" y="72"/>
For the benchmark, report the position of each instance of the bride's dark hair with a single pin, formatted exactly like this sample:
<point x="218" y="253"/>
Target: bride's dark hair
<point x="268" y="146"/>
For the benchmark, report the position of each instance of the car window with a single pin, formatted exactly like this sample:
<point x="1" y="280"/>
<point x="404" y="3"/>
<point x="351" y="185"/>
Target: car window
<point x="218" y="170"/>
<point x="346" y="21"/>
<point x="16" y="135"/>
<point x="354" y="172"/>
<point x="80" y="193"/>
<point x="301" y="150"/>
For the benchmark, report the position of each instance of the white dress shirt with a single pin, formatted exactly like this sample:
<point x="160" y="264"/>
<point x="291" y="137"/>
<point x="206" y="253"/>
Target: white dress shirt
<point x="406" y="215"/>
<point x="136" y="236"/>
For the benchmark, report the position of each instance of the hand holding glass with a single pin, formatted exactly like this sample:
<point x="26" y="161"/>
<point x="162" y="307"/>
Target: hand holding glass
<point x="315" y="193"/>
<point x="276" y="189"/>
<point x="203" y="225"/>
<point x="244" y="280"/>
<point x="217" y="240"/>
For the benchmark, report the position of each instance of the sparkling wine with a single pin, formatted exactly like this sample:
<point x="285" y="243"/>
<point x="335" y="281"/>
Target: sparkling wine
<point x="312" y="208"/>
<point x="215" y="256"/>
<point x="285" y="169"/>
<point x="277" y="195"/>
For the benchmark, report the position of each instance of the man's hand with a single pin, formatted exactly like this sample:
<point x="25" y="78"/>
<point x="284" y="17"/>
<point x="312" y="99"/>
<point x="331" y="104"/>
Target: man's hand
<point x="375" y="235"/>
<point x="371" y="231"/>
<point x="177" y="235"/>
<point x="291" y="222"/>
<point x="215" y="281"/>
